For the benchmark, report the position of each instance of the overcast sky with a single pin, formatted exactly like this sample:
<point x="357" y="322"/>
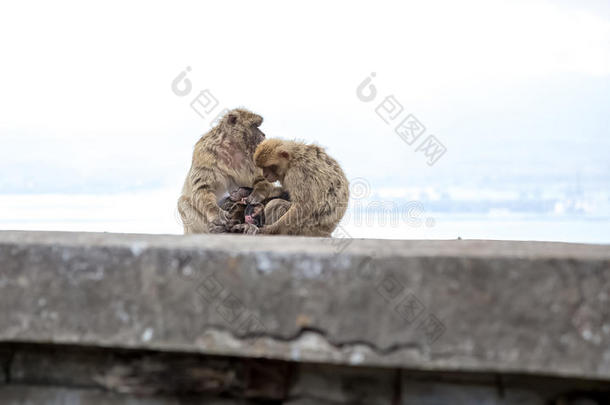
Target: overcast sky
<point x="518" y="92"/>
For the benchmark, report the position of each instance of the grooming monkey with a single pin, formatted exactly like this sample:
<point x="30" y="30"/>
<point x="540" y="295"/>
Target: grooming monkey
<point x="222" y="161"/>
<point x="318" y="188"/>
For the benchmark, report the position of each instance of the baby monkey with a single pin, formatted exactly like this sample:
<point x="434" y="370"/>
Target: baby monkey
<point x="267" y="212"/>
<point x="255" y="215"/>
<point x="235" y="204"/>
<point x="237" y="195"/>
<point x="245" y="217"/>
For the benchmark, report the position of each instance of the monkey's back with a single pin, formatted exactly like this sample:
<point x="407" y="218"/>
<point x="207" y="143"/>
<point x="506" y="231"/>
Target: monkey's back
<point x="325" y="185"/>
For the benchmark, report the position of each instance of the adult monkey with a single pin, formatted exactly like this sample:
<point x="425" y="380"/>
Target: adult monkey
<point x="318" y="188"/>
<point x="222" y="162"/>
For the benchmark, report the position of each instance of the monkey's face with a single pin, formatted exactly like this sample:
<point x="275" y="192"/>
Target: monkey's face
<point x="276" y="168"/>
<point x="270" y="173"/>
<point x="273" y="158"/>
<point x="240" y="193"/>
<point x="255" y="215"/>
<point x="256" y="136"/>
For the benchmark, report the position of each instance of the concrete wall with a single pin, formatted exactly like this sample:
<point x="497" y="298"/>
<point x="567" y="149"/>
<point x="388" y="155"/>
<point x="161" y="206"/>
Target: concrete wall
<point x="480" y="309"/>
<point x="60" y="374"/>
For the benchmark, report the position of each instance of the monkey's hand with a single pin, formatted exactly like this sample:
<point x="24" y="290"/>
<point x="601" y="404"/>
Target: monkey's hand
<point x="255" y="198"/>
<point x="260" y="195"/>
<point x="246" y="229"/>
<point x="232" y="224"/>
<point x="267" y="230"/>
<point x="261" y="189"/>
<point x="219" y="224"/>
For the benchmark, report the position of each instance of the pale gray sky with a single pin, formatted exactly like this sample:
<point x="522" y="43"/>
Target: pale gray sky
<point x="518" y="92"/>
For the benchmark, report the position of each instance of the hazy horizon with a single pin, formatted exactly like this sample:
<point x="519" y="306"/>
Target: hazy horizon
<point x="518" y="93"/>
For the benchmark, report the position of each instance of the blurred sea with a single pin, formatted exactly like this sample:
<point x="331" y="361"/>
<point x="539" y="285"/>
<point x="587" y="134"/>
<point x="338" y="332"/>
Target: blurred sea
<point x="386" y="215"/>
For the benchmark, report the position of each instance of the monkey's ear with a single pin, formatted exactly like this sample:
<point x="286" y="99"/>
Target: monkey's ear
<point x="232" y="119"/>
<point x="284" y="154"/>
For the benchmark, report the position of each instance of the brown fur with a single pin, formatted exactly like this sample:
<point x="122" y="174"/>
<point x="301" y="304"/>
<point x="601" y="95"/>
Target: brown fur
<point x="222" y="161"/>
<point x="318" y="188"/>
<point x="275" y="209"/>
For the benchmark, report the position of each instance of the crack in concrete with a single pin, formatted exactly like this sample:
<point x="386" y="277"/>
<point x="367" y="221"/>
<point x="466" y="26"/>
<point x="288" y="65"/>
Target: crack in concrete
<point x="380" y="351"/>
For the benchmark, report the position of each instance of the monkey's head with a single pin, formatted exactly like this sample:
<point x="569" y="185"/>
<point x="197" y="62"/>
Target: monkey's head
<point x="255" y="215"/>
<point x="273" y="156"/>
<point x="240" y="193"/>
<point x="242" y="126"/>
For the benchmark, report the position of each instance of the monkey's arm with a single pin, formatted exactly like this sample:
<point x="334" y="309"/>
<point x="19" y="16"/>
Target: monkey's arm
<point x="277" y="192"/>
<point x="299" y="212"/>
<point x="203" y="198"/>
<point x="262" y="190"/>
<point x="204" y="201"/>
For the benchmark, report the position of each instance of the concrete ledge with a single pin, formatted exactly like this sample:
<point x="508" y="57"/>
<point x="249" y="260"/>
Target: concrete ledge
<point x="478" y="306"/>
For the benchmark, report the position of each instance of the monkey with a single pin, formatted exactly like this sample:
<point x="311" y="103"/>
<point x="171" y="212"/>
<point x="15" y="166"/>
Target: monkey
<point x="222" y="160"/>
<point x="242" y="213"/>
<point x="237" y="195"/>
<point x="240" y="194"/>
<point x="235" y="205"/>
<point x="255" y="215"/>
<point x="271" y="211"/>
<point x="257" y="212"/>
<point x="318" y="188"/>
<point x="275" y="208"/>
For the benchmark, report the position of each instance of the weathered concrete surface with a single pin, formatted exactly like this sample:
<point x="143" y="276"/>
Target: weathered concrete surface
<point x="506" y="307"/>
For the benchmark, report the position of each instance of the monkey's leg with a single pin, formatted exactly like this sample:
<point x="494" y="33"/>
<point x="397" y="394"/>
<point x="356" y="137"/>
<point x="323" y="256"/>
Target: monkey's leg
<point x="275" y="209"/>
<point x="326" y="225"/>
<point x="291" y="223"/>
<point x="315" y="231"/>
<point x="192" y="220"/>
<point x="327" y="222"/>
<point x="294" y="221"/>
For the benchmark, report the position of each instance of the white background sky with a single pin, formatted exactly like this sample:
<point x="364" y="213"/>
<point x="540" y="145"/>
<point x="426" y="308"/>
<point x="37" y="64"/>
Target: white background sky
<point x="519" y="93"/>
